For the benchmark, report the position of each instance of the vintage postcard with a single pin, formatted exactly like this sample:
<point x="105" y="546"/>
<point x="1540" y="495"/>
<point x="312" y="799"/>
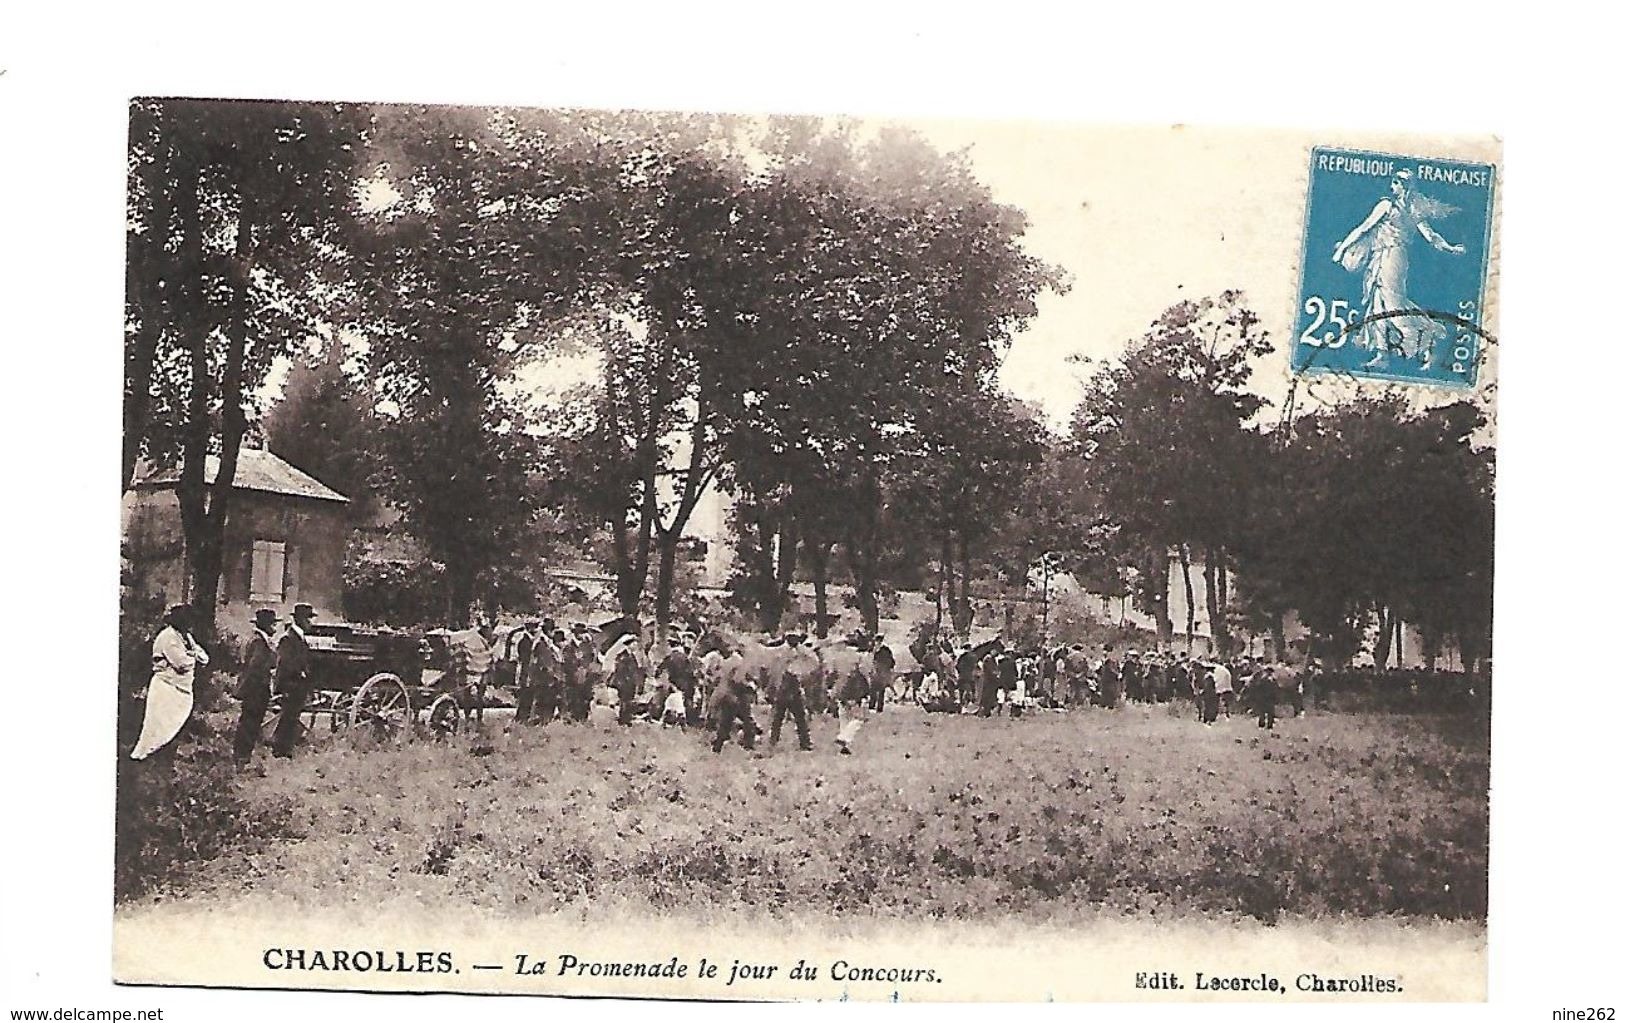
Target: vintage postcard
<point x="675" y="555"/>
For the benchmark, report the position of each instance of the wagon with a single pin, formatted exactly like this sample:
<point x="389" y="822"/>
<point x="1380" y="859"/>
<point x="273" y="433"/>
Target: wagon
<point x="380" y="682"/>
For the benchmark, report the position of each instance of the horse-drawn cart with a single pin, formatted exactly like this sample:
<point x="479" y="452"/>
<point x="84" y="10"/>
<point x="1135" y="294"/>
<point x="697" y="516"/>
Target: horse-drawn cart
<point x="380" y="682"/>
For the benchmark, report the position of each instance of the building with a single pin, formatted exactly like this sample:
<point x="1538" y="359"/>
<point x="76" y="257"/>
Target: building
<point x="284" y="544"/>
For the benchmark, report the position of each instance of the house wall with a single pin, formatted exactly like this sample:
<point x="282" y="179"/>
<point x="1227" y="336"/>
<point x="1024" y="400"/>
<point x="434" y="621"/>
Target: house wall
<point x="313" y="533"/>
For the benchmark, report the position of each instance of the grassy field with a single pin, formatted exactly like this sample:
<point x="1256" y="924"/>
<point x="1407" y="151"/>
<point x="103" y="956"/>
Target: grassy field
<point x="1140" y="812"/>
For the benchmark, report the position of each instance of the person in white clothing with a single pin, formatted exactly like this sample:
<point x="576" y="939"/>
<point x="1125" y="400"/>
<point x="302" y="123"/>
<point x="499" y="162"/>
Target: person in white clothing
<point x="175" y="657"/>
<point x="1224" y="685"/>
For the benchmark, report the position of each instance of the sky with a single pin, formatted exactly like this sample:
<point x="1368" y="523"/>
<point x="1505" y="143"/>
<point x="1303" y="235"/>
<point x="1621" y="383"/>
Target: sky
<point x="1144" y="217"/>
<point x="1140" y="218"/>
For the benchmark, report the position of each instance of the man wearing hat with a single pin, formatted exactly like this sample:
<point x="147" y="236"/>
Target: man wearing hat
<point x="679" y="672"/>
<point x="580" y="657"/>
<point x="292" y="679"/>
<point x="1224" y="685"/>
<point x="254" y="685"/>
<point x="799" y="668"/>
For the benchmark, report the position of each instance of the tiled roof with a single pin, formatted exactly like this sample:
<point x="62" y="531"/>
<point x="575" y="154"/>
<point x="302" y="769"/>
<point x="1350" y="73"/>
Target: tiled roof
<point x="256" y="470"/>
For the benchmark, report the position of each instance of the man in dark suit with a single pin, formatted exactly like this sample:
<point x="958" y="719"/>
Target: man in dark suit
<point x="254" y="685"/>
<point x="292" y="679"/>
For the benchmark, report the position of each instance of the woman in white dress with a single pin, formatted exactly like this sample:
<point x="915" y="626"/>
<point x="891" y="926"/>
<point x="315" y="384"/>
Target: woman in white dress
<point x="175" y="657"/>
<point x="1381" y="246"/>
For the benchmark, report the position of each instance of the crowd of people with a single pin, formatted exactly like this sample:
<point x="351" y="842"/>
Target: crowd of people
<point x="992" y="678"/>
<point x="705" y="678"/>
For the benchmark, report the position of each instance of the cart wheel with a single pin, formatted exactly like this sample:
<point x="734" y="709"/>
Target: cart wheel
<point x="382" y="707"/>
<point x="445" y="716"/>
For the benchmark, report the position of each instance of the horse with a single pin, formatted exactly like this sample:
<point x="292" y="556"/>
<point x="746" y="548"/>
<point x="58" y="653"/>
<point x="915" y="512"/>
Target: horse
<point x="726" y="655"/>
<point x="840" y="660"/>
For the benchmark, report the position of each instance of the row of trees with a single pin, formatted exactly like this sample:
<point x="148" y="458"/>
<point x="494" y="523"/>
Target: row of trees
<point x="805" y="314"/>
<point x="1368" y="510"/>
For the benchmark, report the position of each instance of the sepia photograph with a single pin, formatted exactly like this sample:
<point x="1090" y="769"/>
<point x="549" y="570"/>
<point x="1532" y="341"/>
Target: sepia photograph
<point x="721" y="556"/>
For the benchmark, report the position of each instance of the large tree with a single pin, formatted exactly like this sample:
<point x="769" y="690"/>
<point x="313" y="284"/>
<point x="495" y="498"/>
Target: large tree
<point x="912" y="280"/>
<point x="235" y="209"/>
<point x="1169" y="438"/>
<point x="482" y="234"/>
<point x="1385" y="515"/>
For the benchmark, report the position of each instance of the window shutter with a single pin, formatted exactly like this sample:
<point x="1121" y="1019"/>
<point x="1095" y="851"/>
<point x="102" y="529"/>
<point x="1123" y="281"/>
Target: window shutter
<point x="290" y="586"/>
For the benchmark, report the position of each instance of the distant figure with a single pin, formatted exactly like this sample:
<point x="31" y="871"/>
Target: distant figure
<point x="1224" y="686"/>
<point x="729" y="707"/>
<point x="885" y="665"/>
<point x="175" y="657"/>
<point x="1109" y="677"/>
<point x="1262" y="693"/>
<point x="969" y="676"/>
<point x="800" y="669"/>
<point x="1381" y="246"/>
<point x="579" y="659"/>
<point x="254" y="685"/>
<point x="1207" y="695"/>
<point x="988" y="695"/>
<point x="292" y="679"/>
<point x="852" y="699"/>
<point x="521" y="648"/>
<point x="678" y="669"/>
<point x="625" y="675"/>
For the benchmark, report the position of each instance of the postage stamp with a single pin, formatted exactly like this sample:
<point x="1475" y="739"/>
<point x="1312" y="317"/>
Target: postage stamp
<point x="1395" y="255"/>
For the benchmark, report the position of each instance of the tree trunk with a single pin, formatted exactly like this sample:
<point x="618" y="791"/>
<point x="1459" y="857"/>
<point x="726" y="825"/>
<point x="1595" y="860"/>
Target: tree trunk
<point x="233" y="421"/>
<point x="154" y="313"/>
<point x="863" y="552"/>
<point x="628" y="583"/>
<point x="944" y="579"/>
<point x="788" y="554"/>
<point x="1385" y="638"/>
<point x="665" y="581"/>
<point x="961" y="612"/>
<point x="818" y="554"/>
<point x="695" y="480"/>
<point x="1211" y="579"/>
<point x="769" y="606"/>
<point x="969" y="610"/>
<point x="1157" y="595"/>
<point x="865" y="583"/>
<point x="460" y="592"/>
<point x="1190" y="597"/>
<point x="1278" y="635"/>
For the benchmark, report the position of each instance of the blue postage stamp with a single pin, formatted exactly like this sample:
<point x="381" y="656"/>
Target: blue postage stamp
<point x="1395" y="252"/>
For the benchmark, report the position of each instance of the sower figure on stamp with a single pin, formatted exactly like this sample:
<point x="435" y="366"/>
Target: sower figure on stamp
<point x="254" y="685"/>
<point x="800" y="669"/>
<point x="292" y="679"/>
<point x="1380" y="246"/>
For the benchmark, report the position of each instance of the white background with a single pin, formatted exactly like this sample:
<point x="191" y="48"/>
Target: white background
<point x="1546" y="82"/>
